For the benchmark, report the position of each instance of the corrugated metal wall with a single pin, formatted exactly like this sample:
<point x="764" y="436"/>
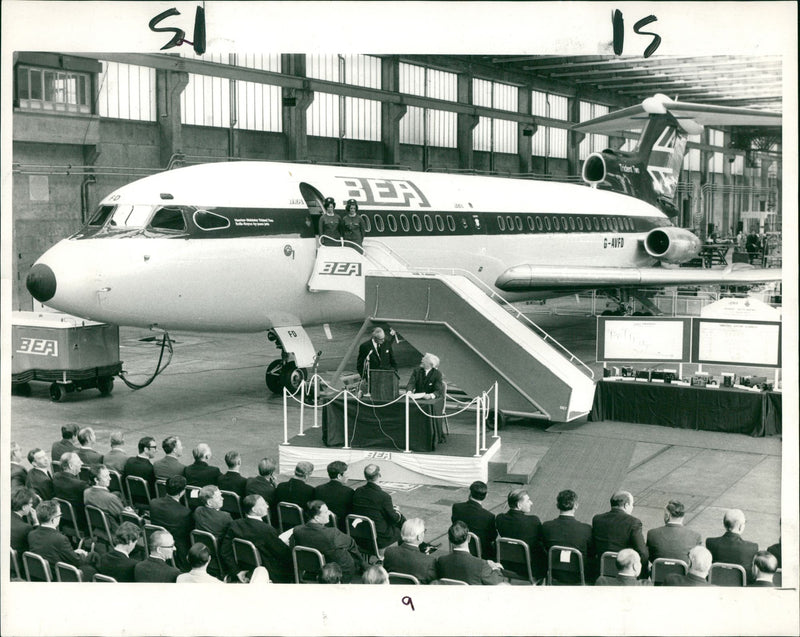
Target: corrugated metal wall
<point x="430" y="127"/>
<point x="592" y="143"/>
<point x="550" y="142"/>
<point x="492" y="134"/>
<point x="127" y="92"/>
<point x="258" y="106"/>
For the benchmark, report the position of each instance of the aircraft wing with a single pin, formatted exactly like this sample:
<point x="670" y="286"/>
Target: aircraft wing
<point x="531" y="278"/>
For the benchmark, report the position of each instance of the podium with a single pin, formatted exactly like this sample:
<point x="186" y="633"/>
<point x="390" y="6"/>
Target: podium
<point x="383" y="385"/>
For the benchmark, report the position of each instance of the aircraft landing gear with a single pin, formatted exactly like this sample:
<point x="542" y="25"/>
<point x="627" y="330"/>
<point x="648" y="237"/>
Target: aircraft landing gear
<point x="282" y="374"/>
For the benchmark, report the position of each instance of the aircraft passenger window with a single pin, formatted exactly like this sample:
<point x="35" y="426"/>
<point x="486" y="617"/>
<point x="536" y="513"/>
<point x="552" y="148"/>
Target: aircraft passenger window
<point x="588" y="224"/>
<point x="510" y="223"/>
<point x="518" y="223"/>
<point x="451" y="223"/>
<point x="417" y="222"/>
<point x="365" y="222"/>
<point x="596" y="224"/>
<point x="101" y="216"/>
<point x="206" y="220"/>
<point x="572" y="223"/>
<point x="168" y="218"/>
<point x="547" y="224"/>
<point x="501" y="223"/>
<point x="529" y="219"/>
<point x="579" y="221"/>
<point x="564" y="224"/>
<point x="391" y="222"/>
<point x="556" y="224"/>
<point x="539" y="224"/>
<point x="428" y="223"/>
<point x="630" y="224"/>
<point x="613" y="221"/>
<point x="464" y="224"/>
<point x="439" y="223"/>
<point x="378" y="223"/>
<point x="404" y="223"/>
<point x="127" y="216"/>
<point x="604" y="223"/>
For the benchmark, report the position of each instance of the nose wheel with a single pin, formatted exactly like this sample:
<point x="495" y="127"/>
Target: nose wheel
<point x="282" y="374"/>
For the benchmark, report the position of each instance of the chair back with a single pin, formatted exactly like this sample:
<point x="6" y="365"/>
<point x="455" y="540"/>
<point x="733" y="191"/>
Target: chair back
<point x="36" y="567"/>
<point x="149" y="529"/>
<point x="85" y="473"/>
<point x="191" y="496"/>
<point x="724" y="574"/>
<point x="452" y="582"/>
<point x="290" y="515"/>
<point x="474" y="545"/>
<point x="99" y="528"/>
<point x="138" y="491"/>
<point x="333" y="521"/>
<point x="69" y="522"/>
<point x="245" y="554"/>
<point x="564" y="564"/>
<point x="402" y="578"/>
<point x="16" y="574"/>
<point x="103" y="578"/>
<point x="362" y="530"/>
<point x="161" y="488"/>
<point x="515" y="555"/>
<point x="664" y="566"/>
<point x="308" y="563"/>
<point x="608" y="564"/>
<point x="116" y="483"/>
<point x="130" y="516"/>
<point x="210" y="542"/>
<point x="68" y="573"/>
<point x="55" y="466"/>
<point x="232" y="503"/>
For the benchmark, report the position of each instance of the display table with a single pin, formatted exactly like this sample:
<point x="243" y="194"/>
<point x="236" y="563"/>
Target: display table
<point x="379" y="426"/>
<point x="686" y="407"/>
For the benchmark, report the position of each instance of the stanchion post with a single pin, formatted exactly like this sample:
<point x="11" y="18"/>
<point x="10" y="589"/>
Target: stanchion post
<point x="285" y="420"/>
<point x="484" y="416"/>
<point x="316" y="401"/>
<point x="302" y="405"/>
<point x="346" y="432"/>
<point x="496" y="408"/>
<point x="478" y="427"/>
<point x="408" y="444"/>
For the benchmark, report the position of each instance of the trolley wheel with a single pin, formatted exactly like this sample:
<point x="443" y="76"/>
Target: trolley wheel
<point x="273" y="376"/>
<point x="292" y="376"/>
<point x="105" y="384"/>
<point x="57" y="392"/>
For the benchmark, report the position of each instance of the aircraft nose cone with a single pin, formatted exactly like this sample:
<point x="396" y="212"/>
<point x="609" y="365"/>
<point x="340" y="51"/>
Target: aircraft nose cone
<point x="41" y="283"/>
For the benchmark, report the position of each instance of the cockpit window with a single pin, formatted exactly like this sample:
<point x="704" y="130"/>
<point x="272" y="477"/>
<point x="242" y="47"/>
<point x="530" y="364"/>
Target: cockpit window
<point x="168" y="218"/>
<point x="206" y="220"/>
<point x="128" y="216"/>
<point x="101" y="216"/>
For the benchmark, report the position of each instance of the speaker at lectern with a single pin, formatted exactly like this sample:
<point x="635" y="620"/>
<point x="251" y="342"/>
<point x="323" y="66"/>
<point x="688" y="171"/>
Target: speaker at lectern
<point x="383" y="385"/>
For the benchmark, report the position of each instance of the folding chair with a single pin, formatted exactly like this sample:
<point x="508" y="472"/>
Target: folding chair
<point x="99" y="528"/>
<point x="138" y="492"/>
<point x="190" y="496"/>
<point x="245" y="554"/>
<point x="116" y="483"/>
<point x="55" y="466"/>
<point x="362" y="530"/>
<point x="515" y="555"/>
<point x="85" y="473"/>
<point x="333" y="521"/>
<point x="69" y="522"/>
<point x="663" y="566"/>
<point x="451" y="582"/>
<point x="210" y="542"/>
<point x="36" y="567"/>
<point x="130" y="516"/>
<point x="16" y="574"/>
<point x="308" y="563"/>
<point x="402" y="579"/>
<point x="290" y="515"/>
<point x="608" y="564"/>
<point x="474" y="545"/>
<point x="161" y="488"/>
<point x="232" y="503"/>
<point x="565" y="563"/>
<point x="68" y="573"/>
<point x="103" y="578"/>
<point x="149" y="529"/>
<point x="724" y="574"/>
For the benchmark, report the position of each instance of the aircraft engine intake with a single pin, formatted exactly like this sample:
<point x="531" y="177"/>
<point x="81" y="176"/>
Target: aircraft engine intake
<point x="594" y="169"/>
<point x="672" y="245"/>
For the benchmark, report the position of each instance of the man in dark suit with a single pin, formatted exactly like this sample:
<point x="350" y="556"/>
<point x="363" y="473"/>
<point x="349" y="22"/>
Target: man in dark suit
<point x="209" y="516"/>
<point x="565" y="530"/>
<point x="699" y="566"/>
<point x="295" y="489"/>
<point x="461" y="565"/>
<point x="233" y="480"/>
<point x="617" y="529"/>
<point x="730" y="547"/>
<point x="765" y="565"/>
<point x="115" y="459"/>
<point x="517" y="524"/>
<point x="155" y="569"/>
<point x="68" y="486"/>
<point x="21" y="507"/>
<point x="407" y="557"/>
<point x="480" y="521"/>
<point x="142" y="464"/>
<point x="200" y="473"/>
<point x="19" y="474"/>
<point x="264" y="484"/>
<point x="39" y="478"/>
<point x="373" y="502"/>
<point x="117" y="562"/>
<point x="336" y="494"/>
<point x="169" y="465"/>
<point x="334" y="545"/>
<point x="377" y="352"/>
<point x="86" y="438"/>
<point x="67" y="443"/>
<point x="673" y="540"/>
<point x="176" y="518"/>
<point x="629" y="566"/>
<point x="427" y="379"/>
<point x="275" y="555"/>
<point x="52" y="545"/>
<point x="99" y="496"/>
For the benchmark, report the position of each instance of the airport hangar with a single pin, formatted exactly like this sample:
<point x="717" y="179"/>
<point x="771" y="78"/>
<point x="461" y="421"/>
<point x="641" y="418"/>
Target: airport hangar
<point x="84" y="126"/>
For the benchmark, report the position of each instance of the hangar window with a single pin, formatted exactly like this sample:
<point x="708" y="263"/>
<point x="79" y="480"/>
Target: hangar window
<point x="206" y="220"/>
<point x="365" y="222"/>
<point x="428" y="223"/>
<point x="518" y="223"/>
<point x="378" y="223"/>
<point x="596" y="224"/>
<point x="572" y="223"/>
<point x="604" y="223"/>
<point x="548" y="224"/>
<point x="556" y="224"/>
<point x="439" y="223"/>
<point x="391" y="222"/>
<point x="53" y="90"/>
<point x="529" y="219"/>
<point x="404" y="223"/>
<point x="168" y="218"/>
<point x="501" y="223"/>
<point x="101" y="216"/>
<point x="417" y="223"/>
<point x="451" y="223"/>
<point x="579" y="221"/>
<point x="127" y="216"/>
<point x="539" y="224"/>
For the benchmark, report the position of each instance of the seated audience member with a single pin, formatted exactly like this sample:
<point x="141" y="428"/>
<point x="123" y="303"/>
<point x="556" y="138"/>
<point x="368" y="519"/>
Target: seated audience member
<point x="142" y="465"/>
<point x="765" y="564"/>
<point x="699" y="566"/>
<point x="673" y="540"/>
<point x="275" y="555"/>
<point x="98" y="495"/>
<point x="478" y="520"/>
<point x="208" y="516"/>
<point x="21" y="509"/>
<point x="565" y="530"/>
<point x="39" y="478"/>
<point x="169" y="465"/>
<point x="334" y="545"/>
<point x="775" y="549"/>
<point x="117" y="562"/>
<point x="295" y="489"/>
<point x="519" y="525"/>
<point x="200" y="473"/>
<point x="461" y="565"/>
<point x="407" y="558"/>
<point x="373" y="502"/>
<point x="199" y="558"/>
<point x="154" y="568"/>
<point x="331" y="573"/>
<point x="233" y="480"/>
<point x="68" y="442"/>
<point x="618" y="529"/>
<point x="46" y="540"/>
<point x="730" y="547"/>
<point x="336" y="494"/>
<point x="68" y="486"/>
<point x="19" y="474"/>
<point x="376" y="574"/>
<point x="87" y="438"/>
<point x="629" y="565"/>
<point x="116" y="457"/>
<point x="174" y="516"/>
<point x="264" y="484"/>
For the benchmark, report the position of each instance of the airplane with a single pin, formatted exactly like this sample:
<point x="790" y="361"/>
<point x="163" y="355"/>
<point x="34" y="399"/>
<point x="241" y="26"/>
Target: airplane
<point x="233" y="246"/>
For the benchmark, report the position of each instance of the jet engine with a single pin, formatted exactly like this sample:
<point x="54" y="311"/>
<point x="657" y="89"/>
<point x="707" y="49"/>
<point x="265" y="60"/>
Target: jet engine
<point x="672" y="245"/>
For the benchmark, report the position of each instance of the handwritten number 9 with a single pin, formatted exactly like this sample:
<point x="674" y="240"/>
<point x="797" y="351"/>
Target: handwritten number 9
<point x="407" y="601"/>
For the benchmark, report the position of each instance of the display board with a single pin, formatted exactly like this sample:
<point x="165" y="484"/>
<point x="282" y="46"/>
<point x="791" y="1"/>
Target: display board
<point x="736" y="342"/>
<point x="651" y="339"/>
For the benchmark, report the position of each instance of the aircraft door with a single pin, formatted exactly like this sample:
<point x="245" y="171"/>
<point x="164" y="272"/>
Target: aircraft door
<point x="314" y="201"/>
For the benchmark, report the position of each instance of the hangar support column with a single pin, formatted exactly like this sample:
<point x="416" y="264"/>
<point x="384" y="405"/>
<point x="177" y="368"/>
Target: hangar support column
<point x="466" y="123"/>
<point x="295" y="104"/>
<point x="525" y="132"/>
<point x="169" y="86"/>
<point x="391" y="114"/>
<point x="574" y="138"/>
<point x="728" y="195"/>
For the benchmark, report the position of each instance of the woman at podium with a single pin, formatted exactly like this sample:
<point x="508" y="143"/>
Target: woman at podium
<point x="427" y="380"/>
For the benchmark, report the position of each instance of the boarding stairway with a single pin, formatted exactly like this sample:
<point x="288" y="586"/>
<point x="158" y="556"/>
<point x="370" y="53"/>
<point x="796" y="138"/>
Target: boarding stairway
<point x="479" y="337"/>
